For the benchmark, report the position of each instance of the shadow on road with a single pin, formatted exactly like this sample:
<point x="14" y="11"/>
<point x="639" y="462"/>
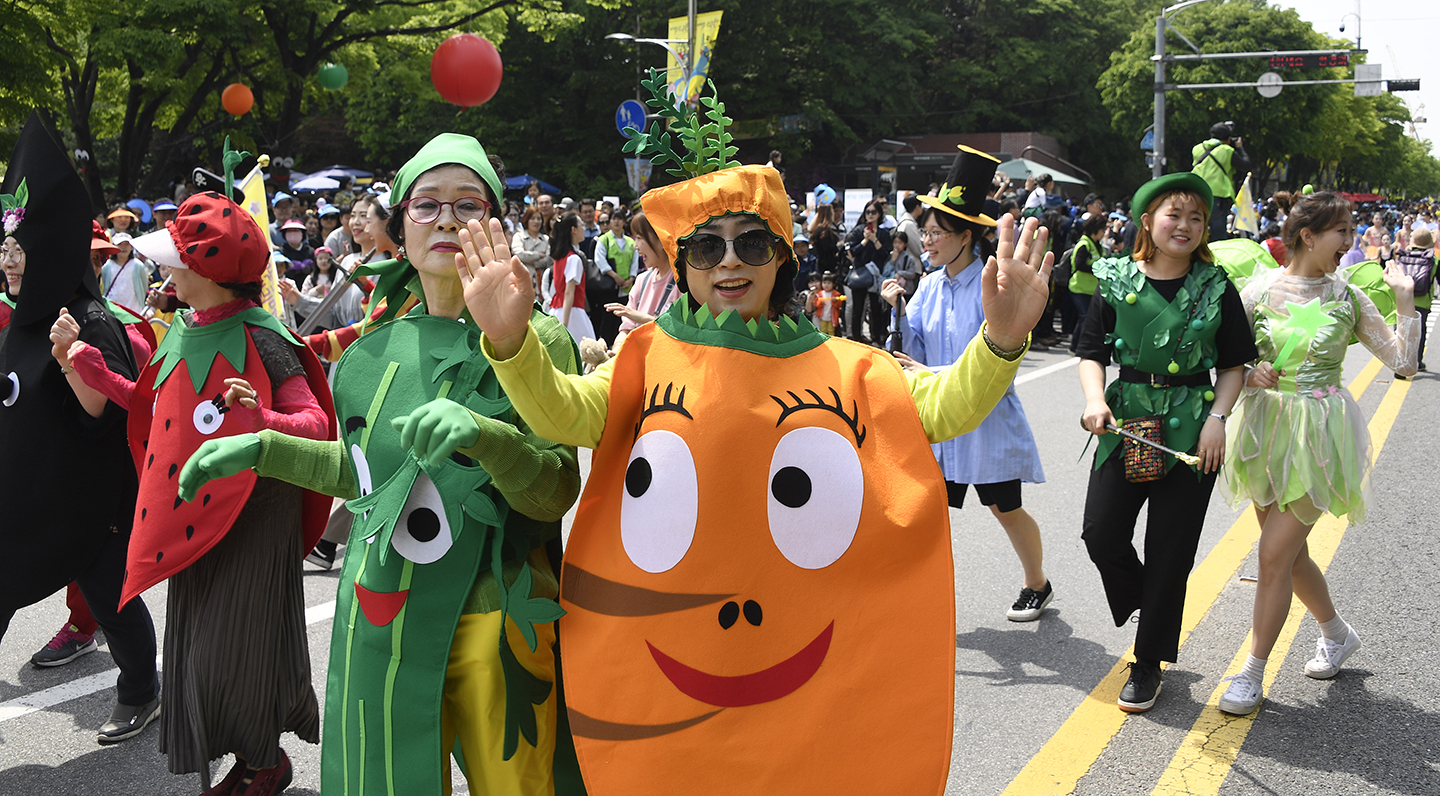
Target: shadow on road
<point x="1051" y="646"/>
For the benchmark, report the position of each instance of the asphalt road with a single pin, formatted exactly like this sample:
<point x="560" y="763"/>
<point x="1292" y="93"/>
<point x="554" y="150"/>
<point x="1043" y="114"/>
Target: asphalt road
<point x="1034" y="702"/>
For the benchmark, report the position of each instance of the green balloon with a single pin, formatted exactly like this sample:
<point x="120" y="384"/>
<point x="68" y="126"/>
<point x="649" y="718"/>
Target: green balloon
<point x="334" y="76"/>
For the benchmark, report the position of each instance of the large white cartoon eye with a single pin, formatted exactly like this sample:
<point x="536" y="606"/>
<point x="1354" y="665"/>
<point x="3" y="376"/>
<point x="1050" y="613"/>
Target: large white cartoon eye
<point x="362" y="473"/>
<point x="209" y="415"/>
<point x="817" y="489"/>
<point x="661" y="501"/>
<point x="422" y="534"/>
<point x="14" y="390"/>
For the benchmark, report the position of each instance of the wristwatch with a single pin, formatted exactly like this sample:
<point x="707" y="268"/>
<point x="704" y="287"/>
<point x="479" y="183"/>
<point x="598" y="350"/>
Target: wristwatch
<point x="1218" y="416"/>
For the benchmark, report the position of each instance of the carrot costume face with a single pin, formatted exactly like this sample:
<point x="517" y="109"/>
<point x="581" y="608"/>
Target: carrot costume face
<point x="759" y="585"/>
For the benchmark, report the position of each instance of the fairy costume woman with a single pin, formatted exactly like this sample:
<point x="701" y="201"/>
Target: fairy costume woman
<point x="1299" y="446"/>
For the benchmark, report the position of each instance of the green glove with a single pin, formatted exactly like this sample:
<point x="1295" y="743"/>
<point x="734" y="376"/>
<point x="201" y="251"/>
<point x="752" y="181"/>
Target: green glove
<point x="218" y="458"/>
<point x="437" y="430"/>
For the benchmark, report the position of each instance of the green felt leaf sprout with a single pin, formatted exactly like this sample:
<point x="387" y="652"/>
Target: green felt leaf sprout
<point x="229" y="159"/>
<point x="705" y="141"/>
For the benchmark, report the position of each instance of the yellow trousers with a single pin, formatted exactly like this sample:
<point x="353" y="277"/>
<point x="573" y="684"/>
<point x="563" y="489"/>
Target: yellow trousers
<point x="473" y="710"/>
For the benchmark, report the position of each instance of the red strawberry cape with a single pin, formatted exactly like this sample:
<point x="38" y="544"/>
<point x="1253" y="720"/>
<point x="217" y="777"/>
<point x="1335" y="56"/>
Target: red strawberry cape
<point x="179" y="387"/>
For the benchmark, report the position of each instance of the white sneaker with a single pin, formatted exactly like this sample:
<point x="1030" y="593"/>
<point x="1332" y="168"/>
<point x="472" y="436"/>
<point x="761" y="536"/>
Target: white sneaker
<point x="1330" y="656"/>
<point x="1242" y="697"/>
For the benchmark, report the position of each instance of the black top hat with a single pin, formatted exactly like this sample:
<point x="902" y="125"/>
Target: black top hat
<point x="966" y="187"/>
<point x="55" y="230"/>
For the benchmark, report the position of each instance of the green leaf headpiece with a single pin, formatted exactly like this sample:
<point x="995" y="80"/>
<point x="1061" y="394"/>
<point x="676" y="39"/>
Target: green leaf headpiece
<point x="704" y="145"/>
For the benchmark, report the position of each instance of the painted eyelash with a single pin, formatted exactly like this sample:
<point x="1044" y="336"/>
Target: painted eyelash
<point x="852" y="420"/>
<point x="657" y="404"/>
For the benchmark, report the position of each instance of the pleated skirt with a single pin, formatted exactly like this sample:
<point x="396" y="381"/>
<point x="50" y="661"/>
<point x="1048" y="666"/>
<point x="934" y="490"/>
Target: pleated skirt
<point x="236" y="660"/>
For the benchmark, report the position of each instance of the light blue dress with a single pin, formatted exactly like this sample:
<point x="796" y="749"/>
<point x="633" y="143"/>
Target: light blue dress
<point x="940" y="321"/>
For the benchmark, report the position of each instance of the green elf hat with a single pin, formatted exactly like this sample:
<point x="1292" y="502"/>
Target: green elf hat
<point x="397" y="279"/>
<point x="966" y="187"/>
<point x="1187" y="181"/>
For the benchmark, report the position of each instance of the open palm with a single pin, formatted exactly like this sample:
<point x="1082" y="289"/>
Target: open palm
<point x="498" y="290"/>
<point x="1016" y="282"/>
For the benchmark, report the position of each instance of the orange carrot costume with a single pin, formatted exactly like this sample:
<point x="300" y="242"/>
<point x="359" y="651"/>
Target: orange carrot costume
<point x="758" y="584"/>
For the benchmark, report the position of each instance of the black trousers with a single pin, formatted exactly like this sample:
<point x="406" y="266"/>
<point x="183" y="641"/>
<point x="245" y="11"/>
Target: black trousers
<point x="866" y="303"/>
<point x="1219" y="215"/>
<point x="1172" y="532"/>
<point x="129" y="634"/>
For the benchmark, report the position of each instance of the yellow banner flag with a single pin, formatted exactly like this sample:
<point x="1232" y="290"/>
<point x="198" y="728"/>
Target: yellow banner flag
<point x="253" y="186"/>
<point x="707" y="27"/>
<point x="1247" y="218"/>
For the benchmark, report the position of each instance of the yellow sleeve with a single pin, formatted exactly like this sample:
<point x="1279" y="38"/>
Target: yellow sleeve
<point x="956" y="400"/>
<point x="557" y="406"/>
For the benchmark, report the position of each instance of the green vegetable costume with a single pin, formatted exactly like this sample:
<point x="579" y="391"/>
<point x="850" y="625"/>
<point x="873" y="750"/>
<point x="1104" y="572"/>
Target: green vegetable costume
<point x="444" y="548"/>
<point x="1155" y="336"/>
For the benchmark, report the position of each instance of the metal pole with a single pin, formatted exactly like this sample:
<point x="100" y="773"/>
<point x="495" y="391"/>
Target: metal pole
<point x="639" y="72"/>
<point x="690" y="55"/>
<point x="1158" y="168"/>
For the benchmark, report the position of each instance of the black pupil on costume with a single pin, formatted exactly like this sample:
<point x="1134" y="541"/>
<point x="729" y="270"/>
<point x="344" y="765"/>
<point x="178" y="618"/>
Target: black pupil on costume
<point x="423" y="524"/>
<point x="208" y="418"/>
<point x="637" y="477"/>
<point x="791" y="486"/>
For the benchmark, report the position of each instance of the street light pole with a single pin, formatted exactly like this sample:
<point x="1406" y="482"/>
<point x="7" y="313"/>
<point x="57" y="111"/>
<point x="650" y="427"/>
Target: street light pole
<point x="1158" y="168"/>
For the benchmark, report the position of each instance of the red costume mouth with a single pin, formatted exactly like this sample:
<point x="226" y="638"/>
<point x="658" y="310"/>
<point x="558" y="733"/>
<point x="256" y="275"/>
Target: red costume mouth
<point x="380" y="607"/>
<point x="747" y="689"/>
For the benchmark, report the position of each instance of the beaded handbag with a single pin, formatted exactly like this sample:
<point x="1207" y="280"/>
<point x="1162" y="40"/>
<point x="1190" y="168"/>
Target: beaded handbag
<point x="1142" y="462"/>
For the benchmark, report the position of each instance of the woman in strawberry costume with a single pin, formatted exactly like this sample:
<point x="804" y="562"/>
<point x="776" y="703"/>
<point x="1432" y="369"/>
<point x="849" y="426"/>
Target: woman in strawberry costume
<point x="237" y="665"/>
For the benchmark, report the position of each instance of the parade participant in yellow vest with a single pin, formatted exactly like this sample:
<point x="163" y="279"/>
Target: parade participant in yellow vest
<point x="1220" y="160"/>
<point x="762" y="501"/>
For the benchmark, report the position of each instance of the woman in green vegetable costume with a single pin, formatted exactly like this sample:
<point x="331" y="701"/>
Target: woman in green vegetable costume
<point x="457" y="510"/>
<point x="1168" y="315"/>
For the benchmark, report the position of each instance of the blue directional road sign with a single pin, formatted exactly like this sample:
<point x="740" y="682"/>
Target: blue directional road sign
<point x="1148" y="141"/>
<point x="630" y="114"/>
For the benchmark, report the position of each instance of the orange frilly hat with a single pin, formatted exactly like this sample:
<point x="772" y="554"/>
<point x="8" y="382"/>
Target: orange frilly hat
<point x="676" y="211"/>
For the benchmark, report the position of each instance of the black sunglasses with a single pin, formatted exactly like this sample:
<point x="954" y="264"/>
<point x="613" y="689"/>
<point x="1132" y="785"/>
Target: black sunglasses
<point x="705" y="251"/>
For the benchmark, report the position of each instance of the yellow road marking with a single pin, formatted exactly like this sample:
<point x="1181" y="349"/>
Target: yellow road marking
<point x="1074" y="748"/>
<point x="1209" y="750"/>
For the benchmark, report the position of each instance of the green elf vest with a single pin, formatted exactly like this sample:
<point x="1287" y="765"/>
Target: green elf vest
<point x="1151" y="335"/>
<point x="1081" y="283"/>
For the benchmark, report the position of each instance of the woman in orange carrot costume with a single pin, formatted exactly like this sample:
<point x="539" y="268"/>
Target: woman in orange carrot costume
<point x="759" y="585"/>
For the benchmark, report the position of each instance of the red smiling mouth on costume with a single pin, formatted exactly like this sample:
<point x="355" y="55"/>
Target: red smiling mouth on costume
<point x="746" y="689"/>
<point x="380" y="607"/>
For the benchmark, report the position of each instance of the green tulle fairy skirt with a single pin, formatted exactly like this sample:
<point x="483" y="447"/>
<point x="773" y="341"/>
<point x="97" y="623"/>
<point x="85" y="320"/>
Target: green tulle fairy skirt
<point x="1308" y="452"/>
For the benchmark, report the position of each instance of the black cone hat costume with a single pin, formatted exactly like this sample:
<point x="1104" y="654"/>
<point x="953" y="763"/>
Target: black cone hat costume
<point x="69" y="476"/>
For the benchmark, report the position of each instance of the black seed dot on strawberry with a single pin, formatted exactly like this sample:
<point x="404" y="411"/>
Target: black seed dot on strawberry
<point x="225" y="213"/>
<point x="145" y="444"/>
<point x="194" y="209"/>
<point x="212" y="251"/>
<point x="191" y="248"/>
<point x="189" y="531"/>
<point x="159" y="556"/>
<point x="143" y="512"/>
<point x="173" y="468"/>
<point x="150" y="462"/>
<point x="167" y="424"/>
<point x="244" y="236"/>
<point x="205" y="501"/>
<point x="201" y="227"/>
<point x="178" y="501"/>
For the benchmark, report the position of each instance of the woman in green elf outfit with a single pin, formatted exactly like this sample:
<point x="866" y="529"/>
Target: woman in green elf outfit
<point x="1169" y="316"/>
<point x="457" y="508"/>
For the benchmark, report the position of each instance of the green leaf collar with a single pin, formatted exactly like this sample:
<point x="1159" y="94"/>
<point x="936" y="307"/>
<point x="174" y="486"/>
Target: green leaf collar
<point x="785" y="338"/>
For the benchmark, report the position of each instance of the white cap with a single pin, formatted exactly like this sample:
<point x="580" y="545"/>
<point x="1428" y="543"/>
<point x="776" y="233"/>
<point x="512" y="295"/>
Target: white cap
<point x="160" y="247"/>
<point x="120" y="237"/>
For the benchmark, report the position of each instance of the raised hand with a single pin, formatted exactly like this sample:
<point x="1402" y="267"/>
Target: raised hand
<point x="1397" y="280"/>
<point x="498" y="289"/>
<point x="1015" y="284"/>
<point x="238" y="390"/>
<point x="63" y="333"/>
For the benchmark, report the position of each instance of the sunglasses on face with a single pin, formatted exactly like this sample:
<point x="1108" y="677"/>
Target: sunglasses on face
<point x="705" y="251"/>
<point x="424" y="209"/>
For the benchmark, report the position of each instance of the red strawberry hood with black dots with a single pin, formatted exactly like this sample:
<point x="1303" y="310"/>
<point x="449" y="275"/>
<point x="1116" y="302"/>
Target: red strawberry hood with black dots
<point x="178" y="402"/>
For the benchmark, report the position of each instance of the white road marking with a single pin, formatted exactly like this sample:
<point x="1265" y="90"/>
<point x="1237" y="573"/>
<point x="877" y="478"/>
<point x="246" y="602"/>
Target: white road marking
<point x="26" y="704"/>
<point x="1047" y="370"/>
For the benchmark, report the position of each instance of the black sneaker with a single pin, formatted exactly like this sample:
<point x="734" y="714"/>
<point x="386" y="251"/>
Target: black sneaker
<point x="1028" y="607"/>
<point x="323" y="556"/>
<point x="1141" y="689"/>
<point x="127" y="721"/>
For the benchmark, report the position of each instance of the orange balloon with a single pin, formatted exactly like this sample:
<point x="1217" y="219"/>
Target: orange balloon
<point x="237" y="99"/>
<point x="759" y="586"/>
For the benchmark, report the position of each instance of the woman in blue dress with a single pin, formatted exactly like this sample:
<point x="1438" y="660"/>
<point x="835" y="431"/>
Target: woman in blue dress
<point x="940" y="320"/>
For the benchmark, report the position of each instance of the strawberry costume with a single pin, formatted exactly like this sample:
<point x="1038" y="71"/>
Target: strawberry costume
<point x="237" y="664"/>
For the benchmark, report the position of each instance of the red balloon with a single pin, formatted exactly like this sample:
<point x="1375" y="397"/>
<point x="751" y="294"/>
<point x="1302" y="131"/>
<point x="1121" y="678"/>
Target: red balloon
<point x="466" y="70"/>
<point x="237" y="99"/>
